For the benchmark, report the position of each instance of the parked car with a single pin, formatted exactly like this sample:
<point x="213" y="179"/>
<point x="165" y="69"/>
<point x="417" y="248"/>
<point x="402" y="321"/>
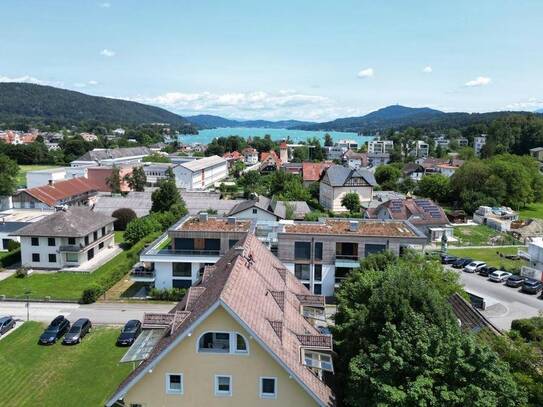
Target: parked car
<point x="531" y="286"/>
<point x="461" y="263"/>
<point x="486" y="271"/>
<point x="77" y="332"/>
<point x="129" y="333"/>
<point x="499" y="276"/>
<point x="6" y="323"/>
<point x="56" y="329"/>
<point x="515" y="281"/>
<point x="474" y="266"/>
<point x="448" y="259"/>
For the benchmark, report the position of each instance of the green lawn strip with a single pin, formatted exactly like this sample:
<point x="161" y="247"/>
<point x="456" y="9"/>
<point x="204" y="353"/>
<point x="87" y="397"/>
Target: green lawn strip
<point x="532" y="211"/>
<point x="82" y="375"/>
<point x="478" y="235"/>
<point x="23" y="169"/>
<point x="69" y="286"/>
<point x="491" y="257"/>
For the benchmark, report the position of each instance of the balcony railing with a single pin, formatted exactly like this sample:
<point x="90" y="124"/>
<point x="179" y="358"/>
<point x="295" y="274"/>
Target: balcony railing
<point x="183" y="252"/>
<point x="70" y="248"/>
<point x="353" y="257"/>
<point x="142" y="273"/>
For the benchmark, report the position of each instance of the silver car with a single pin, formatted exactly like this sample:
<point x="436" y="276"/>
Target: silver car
<point x="499" y="276"/>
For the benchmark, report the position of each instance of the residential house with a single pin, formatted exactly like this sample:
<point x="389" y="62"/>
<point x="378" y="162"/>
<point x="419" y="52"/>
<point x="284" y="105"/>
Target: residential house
<point x="200" y="174"/>
<point x="119" y="132"/>
<point x="72" y="192"/>
<point x="322" y="254"/>
<point x="414" y="171"/>
<point x="67" y="238"/>
<point x="499" y="218"/>
<point x="377" y="159"/>
<point x="232" y="157"/>
<point x="38" y="178"/>
<point x="269" y="162"/>
<point x="266" y="209"/>
<point x="250" y="155"/>
<point x="339" y="148"/>
<point x="89" y="137"/>
<point x="380" y="147"/>
<point x="462" y="142"/>
<point x="338" y="181"/>
<point x="246" y="335"/>
<point x="312" y="172"/>
<point x="478" y="143"/>
<point x="195" y="241"/>
<point x="429" y="218"/>
<point x="355" y="160"/>
<point x="444" y="166"/>
<point x="106" y="156"/>
<point x="17" y="137"/>
<point x="292" y="168"/>
<point x="537" y="153"/>
<point x="421" y="150"/>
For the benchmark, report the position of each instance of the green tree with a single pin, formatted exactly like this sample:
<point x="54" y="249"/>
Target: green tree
<point x="328" y="140"/>
<point x="114" y="180"/>
<point x="8" y="176"/>
<point x="434" y="186"/>
<point x="351" y="201"/>
<point x="170" y="175"/>
<point x="387" y="176"/>
<point x="137" y="179"/>
<point x="165" y="196"/>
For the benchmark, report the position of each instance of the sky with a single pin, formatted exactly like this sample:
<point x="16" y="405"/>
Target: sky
<point x="309" y="60"/>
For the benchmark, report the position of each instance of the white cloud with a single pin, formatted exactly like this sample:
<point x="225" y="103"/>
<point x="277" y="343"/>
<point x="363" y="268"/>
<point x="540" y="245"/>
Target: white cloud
<point x="427" y="69"/>
<point x="530" y="104"/>
<point x="479" y="81"/>
<point x="29" y="79"/>
<point x="252" y="105"/>
<point x="366" y="73"/>
<point x="93" y="83"/>
<point x="105" y="5"/>
<point x="107" y="53"/>
<point x="85" y="84"/>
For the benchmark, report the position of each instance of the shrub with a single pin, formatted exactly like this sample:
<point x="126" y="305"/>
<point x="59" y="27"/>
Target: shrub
<point x="123" y="217"/>
<point x="530" y="329"/>
<point x="13" y="245"/>
<point x="21" y="272"/>
<point x="167" y="294"/>
<point x="11" y="258"/>
<point x="91" y="294"/>
<point x="141" y="227"/>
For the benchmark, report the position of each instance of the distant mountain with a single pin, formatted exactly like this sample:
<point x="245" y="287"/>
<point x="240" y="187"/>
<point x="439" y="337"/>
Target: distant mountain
<point x="206" y="121"/>
<point x="398" y="117"/>
<point x="539" y="111"/>
<point x="46" y="104"/>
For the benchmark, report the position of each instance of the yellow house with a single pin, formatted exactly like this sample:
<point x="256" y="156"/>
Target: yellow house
<point x="244" y="336"/>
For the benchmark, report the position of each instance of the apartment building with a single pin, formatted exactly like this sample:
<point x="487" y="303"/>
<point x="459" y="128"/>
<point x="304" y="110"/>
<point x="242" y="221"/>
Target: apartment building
<point x="246" y="335"/>
<point x="201" y="174"/>
<point x="321" y="254"/>
<point x="67" y="238"/>
<point x="380" y="146"/>
<point x="478" y="143"/>
<point x="177" y="259"/>
<point x="421" y="150"/>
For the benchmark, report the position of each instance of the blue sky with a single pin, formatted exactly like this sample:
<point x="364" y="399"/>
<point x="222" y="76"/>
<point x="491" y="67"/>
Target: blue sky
<point x="314" y="60"/>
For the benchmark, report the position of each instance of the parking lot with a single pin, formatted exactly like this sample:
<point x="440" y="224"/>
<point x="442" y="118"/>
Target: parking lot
<point x="503" y="304"/>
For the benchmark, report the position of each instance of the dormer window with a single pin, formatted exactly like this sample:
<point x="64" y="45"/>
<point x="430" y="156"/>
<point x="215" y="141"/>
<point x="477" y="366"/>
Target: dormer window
<point x="222" y="342"/>
<point x="317" y="361"/>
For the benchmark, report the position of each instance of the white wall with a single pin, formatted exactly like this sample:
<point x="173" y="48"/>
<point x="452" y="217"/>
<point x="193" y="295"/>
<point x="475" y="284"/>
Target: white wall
<point x="260" y="215"/>
<point x="201" y="179"/>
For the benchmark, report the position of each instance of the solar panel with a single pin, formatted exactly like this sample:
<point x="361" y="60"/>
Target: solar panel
<point x="143" y="345"/>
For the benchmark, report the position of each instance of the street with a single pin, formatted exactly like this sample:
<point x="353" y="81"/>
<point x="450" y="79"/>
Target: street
<point x="99" y="313"/>
<point x="504" y="304"/>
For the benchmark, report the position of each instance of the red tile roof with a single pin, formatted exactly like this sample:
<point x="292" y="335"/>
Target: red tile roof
<point x="416" y="211"/>
<point x="62" y="190"/>
<point x="270" y="157"/>
<point x="234" y="155"/>
<point x="313" y="171"/>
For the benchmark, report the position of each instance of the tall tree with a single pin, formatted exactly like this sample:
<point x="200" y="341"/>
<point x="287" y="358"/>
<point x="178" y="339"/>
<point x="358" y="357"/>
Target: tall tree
<point x="8" y="176"/>
<point x="137" y="179"/>
<point x="114" y="180"/>
<point x="351" y="201"/>
<point x="165" y="197"/>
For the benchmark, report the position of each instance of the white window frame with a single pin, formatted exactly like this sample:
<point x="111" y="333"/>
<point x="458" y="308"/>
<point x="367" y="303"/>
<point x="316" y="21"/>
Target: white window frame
<point x="318" y="363"/>
<point x="232" y="339"/>
<point x="221" y="393"/>
<point x="167" y="384"/>
<point x="268" y="396"/>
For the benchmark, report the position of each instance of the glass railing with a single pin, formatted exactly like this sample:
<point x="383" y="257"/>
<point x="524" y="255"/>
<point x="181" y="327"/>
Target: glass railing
<point x="143" y="273"/>
<point x="183" y="252"/>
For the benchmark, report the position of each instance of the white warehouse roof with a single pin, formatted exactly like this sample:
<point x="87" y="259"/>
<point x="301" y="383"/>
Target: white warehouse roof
<point x="203" y="163"/>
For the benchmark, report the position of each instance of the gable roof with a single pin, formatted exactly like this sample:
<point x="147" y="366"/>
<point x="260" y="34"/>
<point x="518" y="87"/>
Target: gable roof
<point x="312" y="172"/>
<point x="73" y="222"/>
<point x="242" y="282"/>
<point x="61" y="190"/>
<point x="272" y="206"/>
<point x="270" y="157"/>
<point x="338" y="175"/>
<point x="113" y="153"/>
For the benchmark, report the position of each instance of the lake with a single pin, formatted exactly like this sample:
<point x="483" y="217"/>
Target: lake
<point x="206" y="136"/>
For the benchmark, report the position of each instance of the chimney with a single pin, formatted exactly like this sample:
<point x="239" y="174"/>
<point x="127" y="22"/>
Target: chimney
<point x="231" y="220"/>
<point x="203" y="217"/>
<point x="353" y="226"/>
<point x="50" y="182"/>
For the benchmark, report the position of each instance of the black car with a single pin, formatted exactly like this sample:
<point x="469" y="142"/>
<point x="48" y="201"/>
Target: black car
<point x="531" y="286"/>
<point x="515" y="281"/>
<point x="129" y="333"/>
<point x="58" y="327"/>
<point x="461" y="263"/>
<point x="79" y="329"/>
<point x="486" y="271"/>
<point x="448" y="259"/>
<point x="6" y="323"/>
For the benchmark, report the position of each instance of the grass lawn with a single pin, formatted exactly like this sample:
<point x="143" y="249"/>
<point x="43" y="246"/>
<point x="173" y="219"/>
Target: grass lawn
<point x="23" y="169"/>
<point x="69" y="286"/>
<point x="491" y="257"/>
<point x="532" y="211"/>
<point x="81" y="375"/>
<point x="479" y="235"/>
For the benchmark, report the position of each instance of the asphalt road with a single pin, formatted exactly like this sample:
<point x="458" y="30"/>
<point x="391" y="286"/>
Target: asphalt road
<point x="98" y="313"/>
<point x="504" y="304"/>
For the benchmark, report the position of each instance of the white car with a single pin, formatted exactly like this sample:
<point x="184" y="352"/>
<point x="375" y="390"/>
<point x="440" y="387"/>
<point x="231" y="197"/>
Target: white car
<point x="499" y="276"/>
<point x="474" y="266"/>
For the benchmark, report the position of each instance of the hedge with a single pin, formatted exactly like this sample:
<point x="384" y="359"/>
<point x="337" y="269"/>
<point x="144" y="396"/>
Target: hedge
<point x="11" y="258"/>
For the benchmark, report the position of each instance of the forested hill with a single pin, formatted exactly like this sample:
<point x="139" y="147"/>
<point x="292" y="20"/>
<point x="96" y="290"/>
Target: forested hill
<point x="46" y="105"/>
<point x="207" y="121"/>
<point x="399" y="117"/>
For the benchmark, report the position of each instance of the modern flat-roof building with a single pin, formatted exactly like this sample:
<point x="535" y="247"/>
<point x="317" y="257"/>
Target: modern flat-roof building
<point x="177" y="259"/>
<point x="40" y="178"/>
<point x="247" y="335"/>
<point x="67" y="238"/>
<point x="380" y="146"/>
<point x="321" y="254"/>
<point x="201" y="174"/>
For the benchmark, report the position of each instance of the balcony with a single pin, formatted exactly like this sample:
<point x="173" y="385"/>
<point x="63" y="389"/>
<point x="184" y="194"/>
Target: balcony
<point x="187" y="252"/>
<point x="347" y="260"/>
<point x="73" y="248"/>
<point x="142" y="275"/>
